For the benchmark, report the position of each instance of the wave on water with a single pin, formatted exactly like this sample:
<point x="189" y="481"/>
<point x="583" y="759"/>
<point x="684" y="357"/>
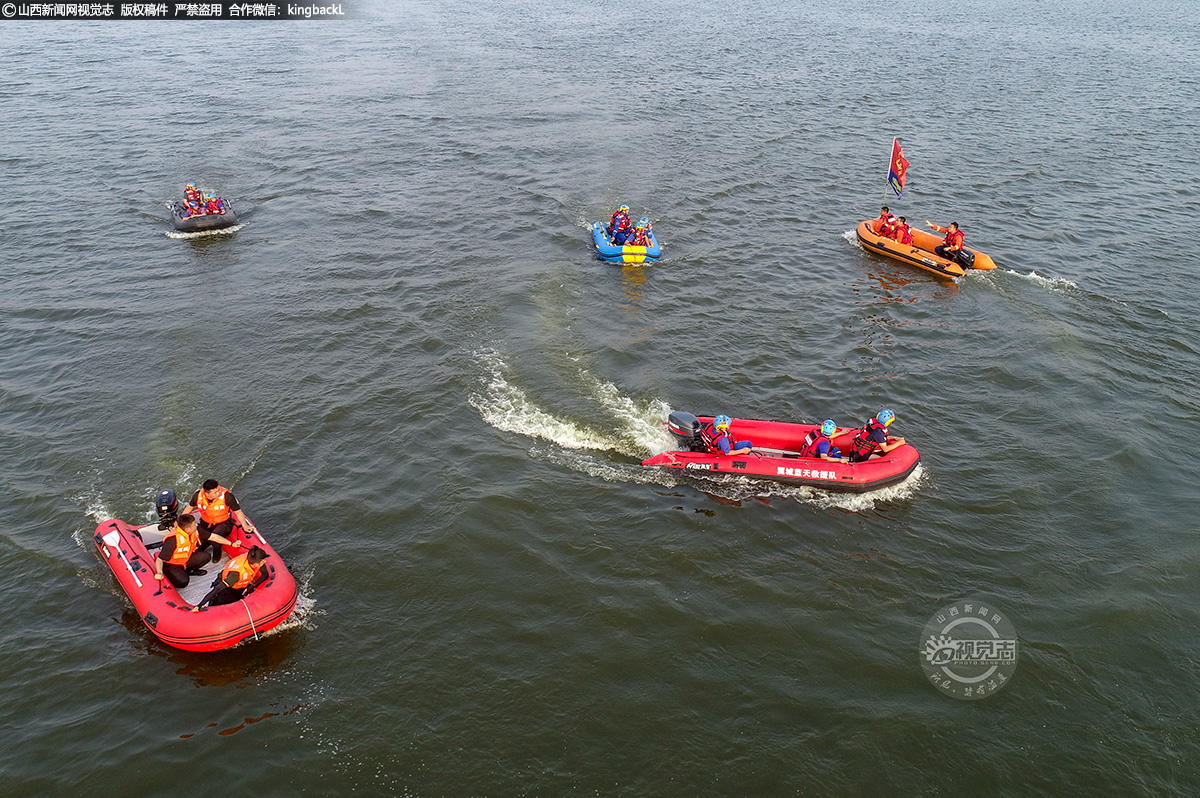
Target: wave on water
<point x="637" y="431"/>
<point x="203" y="233"/>
<point x="1049" y="283"/>
<point x="852" y="237"/>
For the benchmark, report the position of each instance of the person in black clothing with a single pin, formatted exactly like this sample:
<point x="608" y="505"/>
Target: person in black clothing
<point x="241" y="575"/>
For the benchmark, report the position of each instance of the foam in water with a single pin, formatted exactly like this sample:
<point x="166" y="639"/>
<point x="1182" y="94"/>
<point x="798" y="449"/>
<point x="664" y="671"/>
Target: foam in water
<point x="1050" y="283"/>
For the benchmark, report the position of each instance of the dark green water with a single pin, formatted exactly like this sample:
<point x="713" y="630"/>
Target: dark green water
<point x="433" y="399"/>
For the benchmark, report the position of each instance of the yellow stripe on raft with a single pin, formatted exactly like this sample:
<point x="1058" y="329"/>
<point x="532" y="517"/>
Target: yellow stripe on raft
<point x="632" y="254"/>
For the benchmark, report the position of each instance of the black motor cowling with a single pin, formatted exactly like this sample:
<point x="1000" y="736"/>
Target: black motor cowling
<point x="685" y="428"/>
<point x="167" y="507"/>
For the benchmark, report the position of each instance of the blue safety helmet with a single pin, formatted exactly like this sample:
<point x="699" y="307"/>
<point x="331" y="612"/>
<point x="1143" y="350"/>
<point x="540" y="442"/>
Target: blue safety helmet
<point x="828" y="428"/>
<point x="644" y="223"/>
<point x="624" y="208"/>
<point x="722" y="422"/>
<point x="885" y="417"/>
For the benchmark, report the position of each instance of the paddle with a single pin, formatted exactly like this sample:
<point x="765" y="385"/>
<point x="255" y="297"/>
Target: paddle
<point x="113" y="539"/>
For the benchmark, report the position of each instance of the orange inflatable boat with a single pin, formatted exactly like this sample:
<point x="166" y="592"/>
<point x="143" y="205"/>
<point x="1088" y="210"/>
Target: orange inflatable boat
<point x="920" y="252"/>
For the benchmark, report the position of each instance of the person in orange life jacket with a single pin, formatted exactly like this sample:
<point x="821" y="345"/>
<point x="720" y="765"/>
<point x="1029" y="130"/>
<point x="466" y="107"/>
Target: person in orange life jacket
<point x="903" y="232"/>
<point x="716" y="437"/>
<point x="640" y="235"/>
<point x="873" y="439"/>
<point x="241" y="575"/>
<point x="182" y="554"/>
<point x="218" y="509"/>
<point x="887" y="223"/>
<point x="952" y="244"/>
<point x="822" y="446"/>
<point x="618" y="228"/>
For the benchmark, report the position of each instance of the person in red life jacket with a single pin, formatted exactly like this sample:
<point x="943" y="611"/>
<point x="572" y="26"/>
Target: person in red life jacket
<point x="887" y="223"/>
<point x="212" y="205"/>
<point x="640" y="237"/>
<point x="218" y="509"/>
<point x="238" y="579"/>
<point x="873" y="439"/>
<point x="182" y="554"/>
<point x="191" y="195"/>
<point x="821" y="446"/>
<point x="717" y="439"/>
<point x="618" y="228"/>
<point x="952" y="244"/>
<point x="903" y="232"/>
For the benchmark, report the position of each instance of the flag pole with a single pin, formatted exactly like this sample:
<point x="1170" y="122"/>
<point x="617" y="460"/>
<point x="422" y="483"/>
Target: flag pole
<point x="888" y="172"/>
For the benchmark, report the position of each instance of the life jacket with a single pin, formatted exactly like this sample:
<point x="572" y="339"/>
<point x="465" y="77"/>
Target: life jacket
<point x="638" y="238"/>
<point x="245" y="571"/>
<point x="863" y="444"/>
<point x="212" y="206"/>
<point x="954" y="240"/>
<point x="185" y="544"/>
<point x="710" y="436"/>
<point x="620" y="221"/>
<point x="812" y="444"/>
<point x="904" y="234"/>
<point x="214" y="512"/>
<point x="887" y="225"/>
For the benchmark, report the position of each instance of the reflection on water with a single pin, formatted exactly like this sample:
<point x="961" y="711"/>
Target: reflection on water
<point x="251" y="659"/>
<point x="635" y="277"/>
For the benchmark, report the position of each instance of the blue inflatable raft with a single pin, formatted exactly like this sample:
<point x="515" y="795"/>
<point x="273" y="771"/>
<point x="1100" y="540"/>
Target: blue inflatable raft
<point x="614" y="253"/>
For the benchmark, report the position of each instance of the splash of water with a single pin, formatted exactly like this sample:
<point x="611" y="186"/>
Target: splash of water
<point x="1049" y="283"/>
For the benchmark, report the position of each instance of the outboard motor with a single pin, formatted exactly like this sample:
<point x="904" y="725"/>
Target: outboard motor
<point x="167" y="507"/>
<point x="685" y="428"/>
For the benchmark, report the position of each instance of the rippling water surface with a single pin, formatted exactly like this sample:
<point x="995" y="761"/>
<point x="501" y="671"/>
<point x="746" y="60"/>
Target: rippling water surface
<point x="434" y="400"/>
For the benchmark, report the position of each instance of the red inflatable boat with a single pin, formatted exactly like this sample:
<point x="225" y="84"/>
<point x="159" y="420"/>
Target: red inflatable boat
<point x="167" y="612"/>
<point x="776" y="456"/>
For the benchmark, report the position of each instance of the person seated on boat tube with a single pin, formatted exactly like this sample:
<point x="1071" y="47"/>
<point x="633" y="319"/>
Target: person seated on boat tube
<point x="618" y="228"/>
<point x="218" y="509"/>
<point x="213" y="205"/>
<point x="952" y="244"/>
<point x="821" y="446"/>
<point x="887" y="223"/>
<point x="873" y="439"/>
<point x="903" y="232"/>
<point x="718" y="441"/>
<point x="182" y="554"/>
<point x="238" y="579"/>
<point x="191" y="194"/>
<point x="640" y="237"/>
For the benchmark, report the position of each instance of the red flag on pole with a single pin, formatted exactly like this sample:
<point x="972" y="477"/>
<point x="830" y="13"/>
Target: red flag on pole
<point x="896" y="169"/>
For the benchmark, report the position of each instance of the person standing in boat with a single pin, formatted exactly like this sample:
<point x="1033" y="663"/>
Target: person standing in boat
<point x="822" y="447"/>
<point x="717" y="439"/>
<point x="903" y="232"/>
<point x="618" y="228"/>
<point x="873" y="439"/>
<point x="240" y="576"/>
<point x="218" y="509"/>
<point x="951" y="245"/>
<point x="182" y="554"/>
<point x="887" y="223"/>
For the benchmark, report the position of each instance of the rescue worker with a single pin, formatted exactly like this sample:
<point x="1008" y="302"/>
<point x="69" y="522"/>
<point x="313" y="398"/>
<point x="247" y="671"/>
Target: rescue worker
<point x="873" y="439"/>
<point x="218" y="509"/>
<point x="182" y="554"/>
<point x="618" y="228"/>
<point x="240" y="576"/>
<point x="887" y="223"/>
<point x="718" y="441"/>
<point x="903" y="232"/>
<point x="191" y="194"/>
<point x="213" y="205"/>
<point x="640" y="235"/>
<point x="951" y="245"/>
<point x="821" y="446"/>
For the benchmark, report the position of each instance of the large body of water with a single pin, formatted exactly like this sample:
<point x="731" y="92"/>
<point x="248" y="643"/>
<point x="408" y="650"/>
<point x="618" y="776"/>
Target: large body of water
<point x="434" y="400"/>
